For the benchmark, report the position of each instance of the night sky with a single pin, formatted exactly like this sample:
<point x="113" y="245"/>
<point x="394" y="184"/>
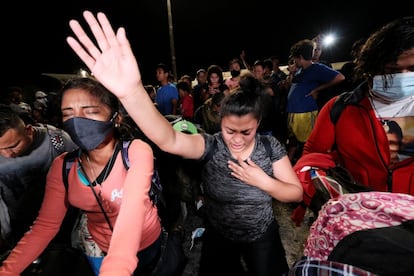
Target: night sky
<point x="205" y="32"/>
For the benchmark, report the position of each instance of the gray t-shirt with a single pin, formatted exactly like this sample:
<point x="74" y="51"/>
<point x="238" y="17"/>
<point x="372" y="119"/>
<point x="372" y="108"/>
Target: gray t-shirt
<point x="23" y="179"/>
<point x="237" y="210"/>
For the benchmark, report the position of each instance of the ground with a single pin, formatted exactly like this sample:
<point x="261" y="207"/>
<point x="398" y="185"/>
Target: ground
<point x="293" y="237"/>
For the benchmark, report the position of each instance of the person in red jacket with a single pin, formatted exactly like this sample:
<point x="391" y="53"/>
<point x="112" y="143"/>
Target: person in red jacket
<point x="382" y="105"/>
<point x="186" y="102"/>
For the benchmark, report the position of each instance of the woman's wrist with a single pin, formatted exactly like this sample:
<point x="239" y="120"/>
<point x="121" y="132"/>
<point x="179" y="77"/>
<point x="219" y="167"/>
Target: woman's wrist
<point x="134" y="94"/>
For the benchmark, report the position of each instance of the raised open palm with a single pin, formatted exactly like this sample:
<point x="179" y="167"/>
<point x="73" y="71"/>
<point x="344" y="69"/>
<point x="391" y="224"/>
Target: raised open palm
<point x="111" y="60"/>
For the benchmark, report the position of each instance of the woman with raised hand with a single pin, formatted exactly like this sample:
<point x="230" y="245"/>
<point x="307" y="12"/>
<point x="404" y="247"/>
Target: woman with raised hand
<point x="120" y="227"/>
<point x="240" y="177"/>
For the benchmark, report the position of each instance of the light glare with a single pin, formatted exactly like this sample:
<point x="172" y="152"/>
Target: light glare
<point x="328" y="40"/>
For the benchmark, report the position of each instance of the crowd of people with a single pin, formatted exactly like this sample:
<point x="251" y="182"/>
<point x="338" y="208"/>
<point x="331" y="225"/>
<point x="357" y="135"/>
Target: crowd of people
<point x="252" y="128"/>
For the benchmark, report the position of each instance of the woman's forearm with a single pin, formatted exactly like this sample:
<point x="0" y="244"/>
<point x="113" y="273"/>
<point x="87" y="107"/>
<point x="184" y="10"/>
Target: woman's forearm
<point x="150" y="121"/>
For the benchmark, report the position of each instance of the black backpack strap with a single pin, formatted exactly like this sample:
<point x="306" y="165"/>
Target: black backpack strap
<point x="266" y="144"/>
<point x="210" y="152"/>
<point x="156" y="186"/>
<point x="124" y="153"/>
<point x="68" y="162"/>
<point x="352" y="97"/>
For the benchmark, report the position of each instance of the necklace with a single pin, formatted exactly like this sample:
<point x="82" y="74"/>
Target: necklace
<point x="384" y="122"/>
<point x="107" y="167"/>
<point x="99" y="198"/>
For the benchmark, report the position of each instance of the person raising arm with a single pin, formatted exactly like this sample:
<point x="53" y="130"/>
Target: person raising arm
<point x="241" y="177"/>
<point x="115" y="66"/>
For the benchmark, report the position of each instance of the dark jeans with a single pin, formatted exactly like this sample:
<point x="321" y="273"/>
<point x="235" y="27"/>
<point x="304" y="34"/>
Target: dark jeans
<point x="165" y="257"/>
<point x="262" y="257"/>
<point x="148" y="258"/>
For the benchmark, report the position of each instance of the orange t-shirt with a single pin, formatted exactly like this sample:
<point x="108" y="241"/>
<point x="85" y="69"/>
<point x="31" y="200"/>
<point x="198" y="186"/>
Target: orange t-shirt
<point x="125" y="199"/>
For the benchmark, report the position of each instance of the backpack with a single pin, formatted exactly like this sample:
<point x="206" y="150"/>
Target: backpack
<point x="172" y="259"/>
<point x="347" y="98"/>
<point x="370" y="230"/>
<point x="155" y="192"/>
<point x="326" y="179"/>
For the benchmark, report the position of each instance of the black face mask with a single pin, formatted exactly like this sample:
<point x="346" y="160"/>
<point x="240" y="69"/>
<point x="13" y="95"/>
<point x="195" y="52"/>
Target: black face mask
<point x="88" y="134"/>
<point x="235" y="73"/>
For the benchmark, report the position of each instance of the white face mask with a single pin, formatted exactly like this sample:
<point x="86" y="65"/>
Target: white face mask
<point x="400" y="86"/>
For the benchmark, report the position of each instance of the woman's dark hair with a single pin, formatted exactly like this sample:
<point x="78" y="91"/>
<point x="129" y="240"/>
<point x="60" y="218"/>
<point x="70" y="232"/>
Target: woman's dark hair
<point x="97" y="90"/>
<point x="245" y="100"/>
<point x="215" y="69"/>
<point x="385" y="46"/>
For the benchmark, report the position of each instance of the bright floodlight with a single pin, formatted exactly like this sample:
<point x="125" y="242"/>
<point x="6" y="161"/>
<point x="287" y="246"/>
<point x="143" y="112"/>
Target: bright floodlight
<point x="328" y="40"/>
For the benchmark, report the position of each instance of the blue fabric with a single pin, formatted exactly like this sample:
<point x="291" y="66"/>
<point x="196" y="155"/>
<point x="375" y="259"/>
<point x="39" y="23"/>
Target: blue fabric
<point x="164" y="96"/>
<point x="96" y="263"/>
<point x="146" y="257"/>
<point x="303" y="83"/>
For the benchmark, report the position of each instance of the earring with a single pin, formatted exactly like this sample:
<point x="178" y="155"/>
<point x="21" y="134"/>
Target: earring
<point x="117" y="125"/>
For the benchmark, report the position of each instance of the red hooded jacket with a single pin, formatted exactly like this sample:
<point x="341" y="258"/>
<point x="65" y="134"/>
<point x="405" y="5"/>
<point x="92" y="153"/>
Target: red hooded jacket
<point x="362" y="148"/>
<point x="359" y="143"/>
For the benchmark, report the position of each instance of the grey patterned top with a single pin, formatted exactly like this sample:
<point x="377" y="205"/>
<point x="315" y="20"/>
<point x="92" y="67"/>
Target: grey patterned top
<point x="22" y="179"/>
<point x="237" y="210"/>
